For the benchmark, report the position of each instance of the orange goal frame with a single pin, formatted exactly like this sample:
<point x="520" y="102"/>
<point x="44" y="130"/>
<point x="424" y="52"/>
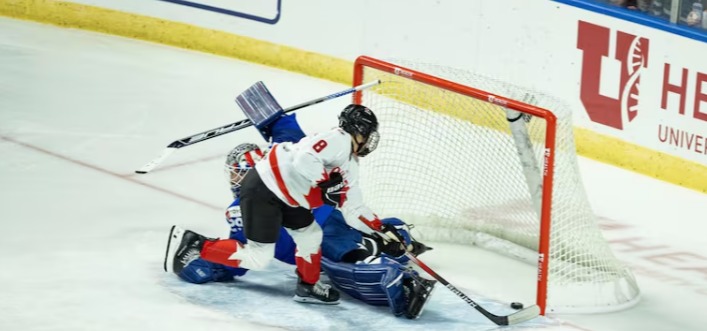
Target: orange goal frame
<point x="363" y="62"/>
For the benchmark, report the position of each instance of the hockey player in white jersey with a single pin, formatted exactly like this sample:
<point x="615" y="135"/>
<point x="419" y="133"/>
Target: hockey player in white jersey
<point x="383" y="279"/>
<point x="290" y="181"/>
<point x="323" y="168"/>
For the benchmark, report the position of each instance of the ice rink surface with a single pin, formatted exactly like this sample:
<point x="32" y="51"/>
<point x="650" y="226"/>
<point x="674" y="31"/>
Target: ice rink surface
<point x="83" y="237"/>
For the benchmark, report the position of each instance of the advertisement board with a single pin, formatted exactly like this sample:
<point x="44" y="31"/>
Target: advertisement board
<point x="638" y="93"/>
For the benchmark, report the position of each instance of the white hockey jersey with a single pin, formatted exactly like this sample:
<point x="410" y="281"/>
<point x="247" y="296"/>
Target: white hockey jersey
<point x="292" y="171"/>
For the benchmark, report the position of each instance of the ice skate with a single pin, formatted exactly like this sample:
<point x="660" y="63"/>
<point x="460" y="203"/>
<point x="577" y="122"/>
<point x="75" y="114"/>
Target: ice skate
<point x="318" y="293"/>
<point x="183" y="247"/>
<point x="417" y="293"/>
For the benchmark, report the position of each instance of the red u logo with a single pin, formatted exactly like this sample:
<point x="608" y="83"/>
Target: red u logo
<point x="632" y="53"/>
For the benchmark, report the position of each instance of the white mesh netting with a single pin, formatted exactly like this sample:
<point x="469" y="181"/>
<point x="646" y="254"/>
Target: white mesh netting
<point x="448" y="164"/>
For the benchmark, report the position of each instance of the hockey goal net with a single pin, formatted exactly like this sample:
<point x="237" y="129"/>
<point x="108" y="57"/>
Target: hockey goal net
<point x="494" y="170"/>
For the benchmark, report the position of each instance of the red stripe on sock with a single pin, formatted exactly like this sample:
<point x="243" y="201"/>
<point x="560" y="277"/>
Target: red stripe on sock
<point x="309" y="272"/>
<point x="218" y="251"/>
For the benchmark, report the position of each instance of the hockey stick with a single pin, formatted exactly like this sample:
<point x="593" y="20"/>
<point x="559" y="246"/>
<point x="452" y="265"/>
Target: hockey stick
<point x="515" y="318"/>
<point x="235" y="126"/>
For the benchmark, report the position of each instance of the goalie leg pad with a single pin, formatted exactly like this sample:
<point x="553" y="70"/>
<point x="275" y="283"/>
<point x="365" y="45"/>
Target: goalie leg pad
<point x="379" y="283"/>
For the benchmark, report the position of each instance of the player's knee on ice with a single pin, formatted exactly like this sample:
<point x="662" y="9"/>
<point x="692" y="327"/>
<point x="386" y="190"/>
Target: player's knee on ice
<point x="308" y="239"/>
<point x="254" y="255"/>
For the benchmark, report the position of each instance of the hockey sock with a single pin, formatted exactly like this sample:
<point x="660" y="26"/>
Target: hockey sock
<point x="218" y="251"/>
<point x="309" y="271"/>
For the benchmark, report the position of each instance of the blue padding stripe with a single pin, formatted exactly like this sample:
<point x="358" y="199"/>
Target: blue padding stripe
<point x="638" y="18"/>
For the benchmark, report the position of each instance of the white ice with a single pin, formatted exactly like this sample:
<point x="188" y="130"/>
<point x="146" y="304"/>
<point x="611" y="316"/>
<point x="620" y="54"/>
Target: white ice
<point x="83" y="237"/>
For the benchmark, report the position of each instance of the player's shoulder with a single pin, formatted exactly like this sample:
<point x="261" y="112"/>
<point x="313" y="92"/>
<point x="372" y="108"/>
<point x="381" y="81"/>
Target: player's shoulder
<point x="332" y="145"/>
<point x="334" y="137"/>
<point x="337" y="135"/>
<point x="334" y="133"/>
<point x="340" y="132"/>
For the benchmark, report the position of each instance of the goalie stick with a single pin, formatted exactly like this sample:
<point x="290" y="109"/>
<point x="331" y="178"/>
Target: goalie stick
<point x="235" y="126"/>
<point x="515" y="318"/>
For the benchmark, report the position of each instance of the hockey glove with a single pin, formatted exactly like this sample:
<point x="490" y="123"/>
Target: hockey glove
<point x="391" y="233"/>
<point x="392" y="239"/>
<point x="334" y="190"/>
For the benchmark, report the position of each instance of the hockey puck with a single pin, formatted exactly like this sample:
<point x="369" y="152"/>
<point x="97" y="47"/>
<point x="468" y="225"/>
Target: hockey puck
<point x="516" y="305"/>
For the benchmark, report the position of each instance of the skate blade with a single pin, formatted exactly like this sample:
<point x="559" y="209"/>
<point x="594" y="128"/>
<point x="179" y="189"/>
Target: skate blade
<point x="429" y="295"/>
<point x="314" y="301"/>
<point x="175" y="238"/>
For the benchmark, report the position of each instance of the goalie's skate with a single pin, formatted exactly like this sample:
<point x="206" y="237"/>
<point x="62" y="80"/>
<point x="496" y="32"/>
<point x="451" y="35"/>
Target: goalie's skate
<point x="183" y="247"/>
<point x="419" y="248"/>
<point x="417" y="293"/>
<point x="318" y="293"/>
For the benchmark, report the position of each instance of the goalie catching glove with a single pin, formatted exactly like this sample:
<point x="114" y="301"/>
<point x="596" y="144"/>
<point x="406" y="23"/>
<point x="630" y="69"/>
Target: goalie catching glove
<point x="334" y="190"/>
<point x="391" y="233"/>
<point x="394" y="242"/>
<point x="396" y="238"/>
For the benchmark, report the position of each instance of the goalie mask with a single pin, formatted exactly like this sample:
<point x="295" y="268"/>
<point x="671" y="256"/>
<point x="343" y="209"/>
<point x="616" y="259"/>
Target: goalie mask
<point x="359" y="120"/>
<point x="239" y="161"/>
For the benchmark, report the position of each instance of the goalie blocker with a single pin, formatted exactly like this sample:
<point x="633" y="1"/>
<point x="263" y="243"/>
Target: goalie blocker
<point x="235" y="126"/>
<point x="260" y="107"/>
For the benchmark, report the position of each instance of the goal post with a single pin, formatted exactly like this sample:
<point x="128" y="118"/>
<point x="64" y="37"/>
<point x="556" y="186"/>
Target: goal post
<point x="473" y="160"/>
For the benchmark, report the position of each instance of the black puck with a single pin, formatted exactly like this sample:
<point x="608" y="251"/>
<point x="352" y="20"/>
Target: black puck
<point x="516" y="305"/>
